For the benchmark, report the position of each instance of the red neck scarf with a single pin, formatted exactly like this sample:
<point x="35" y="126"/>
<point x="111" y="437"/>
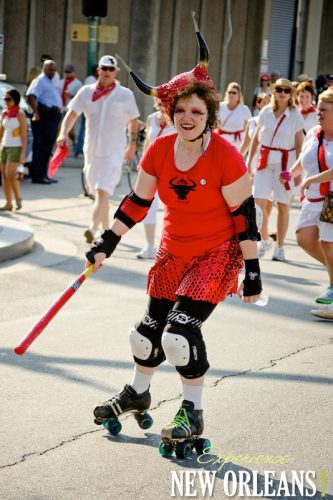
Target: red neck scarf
<point x="100" y="91"/>
<point x="307" y="111"/>
<point x="64" y="88"/>
<point x="11" y="112"/>
<point x="324" y="186"/>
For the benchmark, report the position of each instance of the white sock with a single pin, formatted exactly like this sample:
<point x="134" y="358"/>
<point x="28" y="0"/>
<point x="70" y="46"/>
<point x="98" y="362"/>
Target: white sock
<point x="141" y="381"/>
<point x="193" y="393"/>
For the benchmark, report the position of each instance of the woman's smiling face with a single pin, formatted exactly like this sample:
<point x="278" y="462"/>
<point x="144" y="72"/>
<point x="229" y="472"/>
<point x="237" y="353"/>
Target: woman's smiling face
<point x="190" y="117"/>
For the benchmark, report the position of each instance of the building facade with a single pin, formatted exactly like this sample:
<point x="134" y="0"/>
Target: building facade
<point x="156" y="38"/>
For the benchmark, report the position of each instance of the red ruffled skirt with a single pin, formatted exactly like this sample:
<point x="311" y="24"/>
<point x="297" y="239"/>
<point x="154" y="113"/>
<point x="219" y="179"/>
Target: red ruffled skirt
<point x="210" y="276"/>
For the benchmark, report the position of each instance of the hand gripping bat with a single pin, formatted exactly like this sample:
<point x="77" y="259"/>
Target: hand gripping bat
<point x="54" y="309"/>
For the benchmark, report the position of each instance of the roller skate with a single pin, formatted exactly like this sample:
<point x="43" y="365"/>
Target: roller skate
<point x="182" y="434"/>
<point x="127" y="401"/>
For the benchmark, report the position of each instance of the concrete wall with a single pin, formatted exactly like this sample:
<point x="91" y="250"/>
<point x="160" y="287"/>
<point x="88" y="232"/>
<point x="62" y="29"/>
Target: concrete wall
<point x="156" y="38"/>
<point x="325" y="59"/>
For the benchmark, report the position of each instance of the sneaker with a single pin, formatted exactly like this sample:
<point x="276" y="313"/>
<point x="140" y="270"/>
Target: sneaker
<point x="264" y="246"/>
<point x="326" y="297"/>
<point x="127" y="400"/>
<point x="325" y="312"/>
<point x="278" y="254"/>
<point x="147" y="253"/>
<point x="187" y="422"/>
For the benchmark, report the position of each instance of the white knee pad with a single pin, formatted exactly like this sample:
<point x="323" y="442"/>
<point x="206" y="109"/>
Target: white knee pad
<point x="176" y="349"/>
<point x="141" y="346"/>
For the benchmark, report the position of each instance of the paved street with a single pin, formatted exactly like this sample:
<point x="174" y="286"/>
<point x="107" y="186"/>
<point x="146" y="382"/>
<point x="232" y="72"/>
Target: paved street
<point x="268" y="398"/>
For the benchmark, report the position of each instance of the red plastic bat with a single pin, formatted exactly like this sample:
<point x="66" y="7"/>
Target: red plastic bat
<point x="54" y="309"/>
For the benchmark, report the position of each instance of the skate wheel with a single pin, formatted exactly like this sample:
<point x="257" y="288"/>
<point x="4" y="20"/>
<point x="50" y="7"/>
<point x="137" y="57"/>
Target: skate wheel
<point x="183" y="450"/>
<point x="165" y="449"/>
<point x="112" y="425"/>
<point x="202" y="445"/>
<point x="144" y="420"/>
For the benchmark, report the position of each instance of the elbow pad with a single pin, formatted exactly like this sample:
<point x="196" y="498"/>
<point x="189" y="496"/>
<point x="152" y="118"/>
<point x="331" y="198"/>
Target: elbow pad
<point x="132" y="209"/>
<point x="245" y="220"/>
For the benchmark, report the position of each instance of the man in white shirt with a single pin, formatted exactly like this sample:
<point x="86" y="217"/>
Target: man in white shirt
<point x="109" y="109"/>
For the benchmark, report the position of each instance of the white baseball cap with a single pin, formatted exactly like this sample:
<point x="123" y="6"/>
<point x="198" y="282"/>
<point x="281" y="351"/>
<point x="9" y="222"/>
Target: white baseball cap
<point x="108" y="61"/>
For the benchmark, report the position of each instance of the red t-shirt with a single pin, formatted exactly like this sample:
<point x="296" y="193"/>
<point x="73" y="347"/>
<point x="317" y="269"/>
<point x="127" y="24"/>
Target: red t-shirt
<point x="197" y="217"/>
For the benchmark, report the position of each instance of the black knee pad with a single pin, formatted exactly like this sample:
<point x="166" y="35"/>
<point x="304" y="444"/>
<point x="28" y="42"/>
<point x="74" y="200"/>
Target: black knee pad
<point x="145" y="341"/>
<point x="184" y="346"/>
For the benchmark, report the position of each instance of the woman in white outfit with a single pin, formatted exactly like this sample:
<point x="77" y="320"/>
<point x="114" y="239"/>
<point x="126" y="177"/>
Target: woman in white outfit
<point x="262" y="101"/>
<point x="280" y="135"/>
<point x="305" y="95"/>
<point x="233" y="116"/>
<point x="158" y="125"/>
<point x="316" y="160"/>
<point x="263" y="88"/>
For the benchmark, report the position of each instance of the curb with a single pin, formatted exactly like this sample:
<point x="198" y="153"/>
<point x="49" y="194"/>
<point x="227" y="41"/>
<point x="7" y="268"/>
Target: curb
<point x="16" y="239"/>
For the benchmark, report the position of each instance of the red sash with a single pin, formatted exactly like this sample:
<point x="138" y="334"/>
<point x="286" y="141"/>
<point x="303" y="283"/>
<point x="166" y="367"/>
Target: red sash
<point x="264" y="152"/>
<point x="64" y="88"/>
<point x="312" y="200"/>
<point x="324" y="187"/>
<point x="236" y="134"/>
<point x="162" y="127"/>
<point x="57" y="159"/>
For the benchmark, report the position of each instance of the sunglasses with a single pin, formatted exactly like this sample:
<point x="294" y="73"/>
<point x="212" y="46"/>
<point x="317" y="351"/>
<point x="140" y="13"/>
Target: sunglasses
<point x="279" y="90"/>
<point x="232" y="92"/>
<point x="259" y="101"/>
<point x="8" y="99"/>
<point x="108" y="68"/>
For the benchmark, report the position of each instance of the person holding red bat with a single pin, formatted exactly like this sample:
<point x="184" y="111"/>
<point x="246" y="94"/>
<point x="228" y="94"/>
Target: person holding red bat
<point x="209" y="231"/>
<point x="108" y="108"/>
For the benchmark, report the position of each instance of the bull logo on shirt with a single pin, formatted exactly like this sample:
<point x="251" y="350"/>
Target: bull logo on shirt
<point x="182" y="186"/>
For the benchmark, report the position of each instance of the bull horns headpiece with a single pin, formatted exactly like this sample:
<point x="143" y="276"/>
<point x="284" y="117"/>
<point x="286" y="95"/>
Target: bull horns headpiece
<point x="168" y="91"/>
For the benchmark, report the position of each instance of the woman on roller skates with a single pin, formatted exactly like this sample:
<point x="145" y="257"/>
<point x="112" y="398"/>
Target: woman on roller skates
<point x="209" y="231"/>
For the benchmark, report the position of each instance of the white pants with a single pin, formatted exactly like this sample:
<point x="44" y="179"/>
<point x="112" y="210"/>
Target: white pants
<point x="309" y="216"/>
<point x="103" y="172"/>
<point x="267" y="185"/>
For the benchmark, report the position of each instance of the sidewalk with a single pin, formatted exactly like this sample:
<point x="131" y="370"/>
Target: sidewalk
<point x="17" y="238"/>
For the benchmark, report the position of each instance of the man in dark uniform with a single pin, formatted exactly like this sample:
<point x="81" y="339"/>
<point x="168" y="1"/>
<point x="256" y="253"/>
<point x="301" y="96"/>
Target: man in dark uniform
<point x="45" y="100"/>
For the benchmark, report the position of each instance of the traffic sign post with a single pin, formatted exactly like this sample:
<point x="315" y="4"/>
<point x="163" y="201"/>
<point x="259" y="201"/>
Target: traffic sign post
<point x="92" y="43"/>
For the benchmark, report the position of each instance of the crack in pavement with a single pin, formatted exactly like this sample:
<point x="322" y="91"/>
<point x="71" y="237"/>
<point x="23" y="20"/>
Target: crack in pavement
<point x="273" y="363"/>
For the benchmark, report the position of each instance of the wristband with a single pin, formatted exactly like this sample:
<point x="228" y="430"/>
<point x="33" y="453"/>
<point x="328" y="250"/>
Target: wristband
<point x="252" y="280"/>
<point x="106" y="244"/>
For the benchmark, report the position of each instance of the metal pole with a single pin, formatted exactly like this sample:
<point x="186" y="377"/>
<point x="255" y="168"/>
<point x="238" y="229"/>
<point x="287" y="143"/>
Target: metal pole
<point x="92" y="43"/>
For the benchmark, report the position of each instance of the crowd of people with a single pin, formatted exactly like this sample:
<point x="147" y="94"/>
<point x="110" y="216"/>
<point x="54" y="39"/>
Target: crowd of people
<point x="273" y="137"/>
<point x="210" y="163"/>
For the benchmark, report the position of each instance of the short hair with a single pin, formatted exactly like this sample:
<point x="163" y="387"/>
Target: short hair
<point x="15" y="95"/>
<point x="212" y="100"/>
<point x="308" y="86"/>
